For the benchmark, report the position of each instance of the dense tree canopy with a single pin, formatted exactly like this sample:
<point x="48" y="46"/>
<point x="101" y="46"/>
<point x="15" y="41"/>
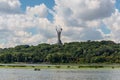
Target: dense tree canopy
<point x="74" y="52"/>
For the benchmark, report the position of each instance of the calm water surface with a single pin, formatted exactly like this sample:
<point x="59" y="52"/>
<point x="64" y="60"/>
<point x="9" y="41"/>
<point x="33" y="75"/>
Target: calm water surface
<point x="52" y="74"/>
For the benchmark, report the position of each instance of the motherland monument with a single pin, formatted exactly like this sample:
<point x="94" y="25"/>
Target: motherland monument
<point x="59" y="30"/>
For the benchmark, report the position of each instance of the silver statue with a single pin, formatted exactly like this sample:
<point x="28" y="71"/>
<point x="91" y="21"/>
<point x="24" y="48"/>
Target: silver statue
<point x="59" y="30"/>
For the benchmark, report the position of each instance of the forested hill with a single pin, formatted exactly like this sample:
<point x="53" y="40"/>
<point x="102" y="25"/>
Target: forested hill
<point x="74" y="52"/>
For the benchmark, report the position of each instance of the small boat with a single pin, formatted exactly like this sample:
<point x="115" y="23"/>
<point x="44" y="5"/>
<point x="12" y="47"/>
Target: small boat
<point x="36" y="69"/>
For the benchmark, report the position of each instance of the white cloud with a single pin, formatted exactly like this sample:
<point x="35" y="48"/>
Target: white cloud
<point x="82" y="34"/>
<point x="75" y="13"/>
<point x="80" y="20"/>
<point x="16" y="29"/>
<point x="9" y="6"/>
<point x="113" y="23"/>
<point x="38" y="11"/>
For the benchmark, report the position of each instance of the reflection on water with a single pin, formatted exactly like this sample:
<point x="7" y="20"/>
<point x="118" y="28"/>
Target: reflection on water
<point x="49" y="74"/>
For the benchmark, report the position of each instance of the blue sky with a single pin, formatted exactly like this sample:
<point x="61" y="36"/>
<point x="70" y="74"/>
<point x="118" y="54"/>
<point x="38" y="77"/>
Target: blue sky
<point x="24" y="3"/>
<point x="95" y="20"/>
<point x="117" y="4"/>
<point x="49" y="3"/>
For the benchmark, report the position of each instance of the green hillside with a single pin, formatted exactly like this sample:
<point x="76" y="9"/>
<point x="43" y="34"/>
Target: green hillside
<point x="74" y="52"/>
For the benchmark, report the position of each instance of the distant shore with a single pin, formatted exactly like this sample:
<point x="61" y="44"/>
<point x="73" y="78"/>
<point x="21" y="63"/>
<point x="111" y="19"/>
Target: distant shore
<point x="60" y="66"/>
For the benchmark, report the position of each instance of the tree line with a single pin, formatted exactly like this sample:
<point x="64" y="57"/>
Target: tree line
<point x="74" y="52"/>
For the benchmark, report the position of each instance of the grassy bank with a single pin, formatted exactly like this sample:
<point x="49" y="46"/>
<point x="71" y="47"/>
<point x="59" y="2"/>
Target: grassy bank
<point x="59" y="66"/>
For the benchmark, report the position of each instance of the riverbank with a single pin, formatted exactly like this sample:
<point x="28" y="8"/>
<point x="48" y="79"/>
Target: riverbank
<point x="66" y="66"/>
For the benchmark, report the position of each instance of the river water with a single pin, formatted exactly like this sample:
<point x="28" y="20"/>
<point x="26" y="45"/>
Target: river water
<point x="60" y="74"/>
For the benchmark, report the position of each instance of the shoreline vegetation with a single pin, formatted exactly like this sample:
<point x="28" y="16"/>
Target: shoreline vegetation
<point x="60" y="66"/>
<point x="64" y="56"/>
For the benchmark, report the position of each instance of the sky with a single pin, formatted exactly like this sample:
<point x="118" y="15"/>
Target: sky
<point x="32" y="22"/>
